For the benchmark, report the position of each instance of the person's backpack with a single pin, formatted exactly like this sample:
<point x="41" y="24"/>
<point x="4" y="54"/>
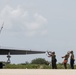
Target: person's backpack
<point x="55" y="60"/>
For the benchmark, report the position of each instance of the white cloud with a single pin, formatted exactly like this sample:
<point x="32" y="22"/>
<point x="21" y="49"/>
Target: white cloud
<point x="19" y="20"/>
<point x="40" y="19"/>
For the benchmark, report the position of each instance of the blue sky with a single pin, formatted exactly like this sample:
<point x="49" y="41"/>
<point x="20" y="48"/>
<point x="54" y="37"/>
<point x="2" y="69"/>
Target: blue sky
<point x="38" y="25"/>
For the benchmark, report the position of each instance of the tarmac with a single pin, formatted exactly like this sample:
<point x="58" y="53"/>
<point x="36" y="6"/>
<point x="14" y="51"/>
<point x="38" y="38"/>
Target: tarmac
<point x="37" y="72"/>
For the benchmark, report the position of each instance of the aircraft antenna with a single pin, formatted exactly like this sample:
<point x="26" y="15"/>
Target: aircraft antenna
<point x="1" y="27"/>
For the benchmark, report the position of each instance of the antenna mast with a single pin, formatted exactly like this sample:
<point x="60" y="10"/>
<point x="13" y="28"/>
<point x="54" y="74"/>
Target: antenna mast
<point x="1" y="27"/>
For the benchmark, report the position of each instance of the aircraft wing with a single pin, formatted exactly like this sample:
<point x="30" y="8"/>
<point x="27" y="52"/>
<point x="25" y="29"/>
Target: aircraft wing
<point x="18" y="51"/>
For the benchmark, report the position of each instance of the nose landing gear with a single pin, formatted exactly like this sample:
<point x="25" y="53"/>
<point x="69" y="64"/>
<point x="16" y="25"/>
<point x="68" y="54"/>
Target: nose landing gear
<point x="8" y="56"/>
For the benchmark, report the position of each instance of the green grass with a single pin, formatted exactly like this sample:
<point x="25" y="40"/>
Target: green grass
<point x="33" y="66"/>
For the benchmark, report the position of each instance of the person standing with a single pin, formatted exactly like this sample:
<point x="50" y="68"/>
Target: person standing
<point x="53" y="59"/>
<point x="66" y="60"/>
<point x="72" y="60"/>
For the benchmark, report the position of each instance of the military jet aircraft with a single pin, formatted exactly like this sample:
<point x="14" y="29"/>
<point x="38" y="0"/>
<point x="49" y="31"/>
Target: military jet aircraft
<point x="10" y="51"/>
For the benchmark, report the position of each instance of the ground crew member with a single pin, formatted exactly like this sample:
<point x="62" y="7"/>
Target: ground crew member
<point x="66" y="60"/>
<point x="72" y="60"/>
<point x="53" y="59"/>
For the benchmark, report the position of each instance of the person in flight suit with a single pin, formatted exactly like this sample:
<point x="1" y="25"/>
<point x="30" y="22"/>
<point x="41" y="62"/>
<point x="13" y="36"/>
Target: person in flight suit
<point x="72" y="60"/>
<point x="53" y="59"/>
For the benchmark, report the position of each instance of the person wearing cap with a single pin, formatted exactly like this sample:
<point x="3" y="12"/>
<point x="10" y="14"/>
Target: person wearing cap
<point x="72" y="60"/>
